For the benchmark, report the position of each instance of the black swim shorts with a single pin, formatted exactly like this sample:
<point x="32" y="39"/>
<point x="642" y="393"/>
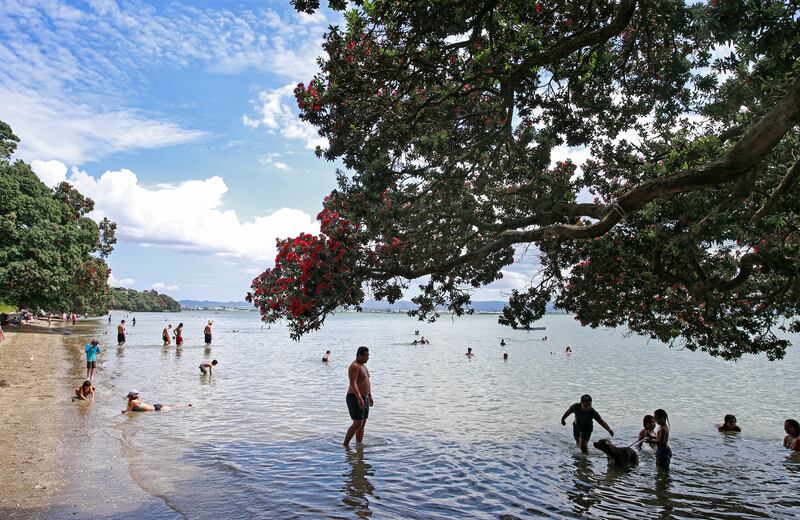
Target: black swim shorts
<point x="663" y="457"/>
<point x="356" y="412"/>
<point x="203" y="369"/>
<point x="120" y="338"/>
<point x="91" y="364"/>
<point x="579" y="433"/>
<point x="158" y="407"/>
<point x="208" y="339"/>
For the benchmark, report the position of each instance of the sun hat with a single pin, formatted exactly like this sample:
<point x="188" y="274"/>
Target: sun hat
<point x="133" y="393"/>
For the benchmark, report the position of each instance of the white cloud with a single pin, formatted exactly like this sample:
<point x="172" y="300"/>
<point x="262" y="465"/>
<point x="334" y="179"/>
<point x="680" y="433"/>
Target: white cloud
<point x="271" y="161"/>
<point x="69" y="73"/>
<point x="187" y="216"/>
<point x="161" y="286"/>
<point x="120" y="282"/>
<point x="511" y="280"/>
<point x="55" y="129"/>
<point x="51" y="173"/>
<point x="274" y="111"/>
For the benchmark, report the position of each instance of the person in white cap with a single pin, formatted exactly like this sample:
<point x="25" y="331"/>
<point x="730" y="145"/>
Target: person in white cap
<point x="135" y="405"/>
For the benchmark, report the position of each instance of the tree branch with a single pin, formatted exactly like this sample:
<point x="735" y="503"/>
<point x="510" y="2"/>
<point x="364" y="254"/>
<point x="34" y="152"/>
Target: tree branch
<point x="777" y="193"/>
<point x="751" y="148"/>
<point x="569" y="45"/>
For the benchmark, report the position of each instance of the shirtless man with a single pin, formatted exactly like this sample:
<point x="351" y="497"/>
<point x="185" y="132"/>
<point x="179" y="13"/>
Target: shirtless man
<point x="207" y="332"/>
<point x="359" y="396"/>
<point x="165" y="335"/>
<point x="121" y="333"/>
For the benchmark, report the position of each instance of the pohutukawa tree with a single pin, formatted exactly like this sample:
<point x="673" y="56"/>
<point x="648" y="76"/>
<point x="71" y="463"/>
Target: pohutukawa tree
<point x="682" y="222"/>
<point x="52" y="255"/>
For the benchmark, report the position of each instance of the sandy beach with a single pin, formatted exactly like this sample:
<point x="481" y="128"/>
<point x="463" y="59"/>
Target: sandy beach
<point x="36" y="426"/>
<point x="48" y="468"/>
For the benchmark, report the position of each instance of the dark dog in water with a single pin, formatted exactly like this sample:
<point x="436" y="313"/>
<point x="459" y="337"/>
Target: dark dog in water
<point x="621" y="457"/>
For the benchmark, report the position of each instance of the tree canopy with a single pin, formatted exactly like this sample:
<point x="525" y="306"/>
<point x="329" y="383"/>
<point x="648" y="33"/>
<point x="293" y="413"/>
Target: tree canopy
<point x="680" y="223"/>
<point x="145" y="301"/>
<point x="52" y="256"/>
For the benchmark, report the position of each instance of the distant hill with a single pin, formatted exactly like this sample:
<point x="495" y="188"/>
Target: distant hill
<point x="493" y="306"/>
<point x="209" y="304"/>
<point x="123" y="299"/>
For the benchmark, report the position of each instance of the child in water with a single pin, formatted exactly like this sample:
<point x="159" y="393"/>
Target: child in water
<point x="85" y="391"/>
<point x="729" y="424"/>
<point x="663" y="451"/>
<point x="648" y="433"/>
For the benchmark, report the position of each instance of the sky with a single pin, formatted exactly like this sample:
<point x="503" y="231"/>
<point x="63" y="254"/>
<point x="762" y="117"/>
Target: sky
<point x="178" y="120"/>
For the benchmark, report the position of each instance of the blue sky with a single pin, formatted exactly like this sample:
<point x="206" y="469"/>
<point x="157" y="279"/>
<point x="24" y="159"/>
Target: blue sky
<point x="177" y="118"/>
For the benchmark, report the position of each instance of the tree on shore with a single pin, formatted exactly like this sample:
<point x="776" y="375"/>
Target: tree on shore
<point x="681" y="222"/>
<point x="52" y="256"/>
<point x="123" y="299"/>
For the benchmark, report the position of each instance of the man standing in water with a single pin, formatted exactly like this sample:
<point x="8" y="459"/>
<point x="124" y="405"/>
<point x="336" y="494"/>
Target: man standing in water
<point x="207" y="332"/>
<point x="165" y="335"/>
<point x="121" y="333"/>
<point x="359" y="396"/>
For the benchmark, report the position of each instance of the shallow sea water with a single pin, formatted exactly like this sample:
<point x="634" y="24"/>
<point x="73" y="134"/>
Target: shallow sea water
<point x="448" y="437"/>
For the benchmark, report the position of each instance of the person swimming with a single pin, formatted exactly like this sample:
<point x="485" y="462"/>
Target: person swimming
<point x="729" y="424"/>
<point x="505" y="356"/>
<point x="327" y="356"/>
<point x="792" y="439"/>
<point x="502" y="342"/>
<point x="469" y="353"/>
<point x="134" y="405"/>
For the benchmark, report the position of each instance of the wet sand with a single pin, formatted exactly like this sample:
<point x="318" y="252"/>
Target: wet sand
<point x="35" y="422"/>
<point x="47" y="467"/>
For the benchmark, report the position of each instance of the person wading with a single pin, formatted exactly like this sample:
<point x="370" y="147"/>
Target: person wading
<point x="359" y="396"/>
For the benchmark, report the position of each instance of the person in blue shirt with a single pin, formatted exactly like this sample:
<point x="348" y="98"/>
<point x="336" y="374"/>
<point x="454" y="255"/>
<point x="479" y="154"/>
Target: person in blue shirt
<point x="91" y="358"/>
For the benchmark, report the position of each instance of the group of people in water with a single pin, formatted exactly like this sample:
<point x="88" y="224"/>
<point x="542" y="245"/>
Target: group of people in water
<point x="359" y="400"/>
<point x="87" y="389"/>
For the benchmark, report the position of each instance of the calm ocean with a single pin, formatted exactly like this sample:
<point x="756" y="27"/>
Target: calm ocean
<point x="448" y="437"/>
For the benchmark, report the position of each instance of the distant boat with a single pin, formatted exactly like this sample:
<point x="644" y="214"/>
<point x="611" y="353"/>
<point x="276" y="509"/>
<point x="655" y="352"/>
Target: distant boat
<point x="530" y="328"/>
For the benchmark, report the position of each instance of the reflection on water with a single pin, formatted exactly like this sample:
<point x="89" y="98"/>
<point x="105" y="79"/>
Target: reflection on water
<point x="662" y="493"/>
<point x="581" y="493"/>
<point x="358" y="489"/>
<point x="449" y="437"/>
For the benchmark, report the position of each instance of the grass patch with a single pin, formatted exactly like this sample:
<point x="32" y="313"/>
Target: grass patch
<point x="7" y="308"/>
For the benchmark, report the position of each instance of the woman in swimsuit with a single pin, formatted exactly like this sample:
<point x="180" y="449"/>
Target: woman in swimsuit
<point x="135" y="405"/>
<point x="179" y="335"/>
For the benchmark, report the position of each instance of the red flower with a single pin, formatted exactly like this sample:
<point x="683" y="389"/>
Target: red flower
<point x="538" y="8"/>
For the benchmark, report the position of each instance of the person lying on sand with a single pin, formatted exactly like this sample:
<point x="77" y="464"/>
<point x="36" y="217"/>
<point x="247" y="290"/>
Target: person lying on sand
<point x="135" y="405"/>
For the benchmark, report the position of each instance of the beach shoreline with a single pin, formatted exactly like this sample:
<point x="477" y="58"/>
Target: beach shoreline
<point x="52" y="466"/>
<point x="36" y="422"/>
